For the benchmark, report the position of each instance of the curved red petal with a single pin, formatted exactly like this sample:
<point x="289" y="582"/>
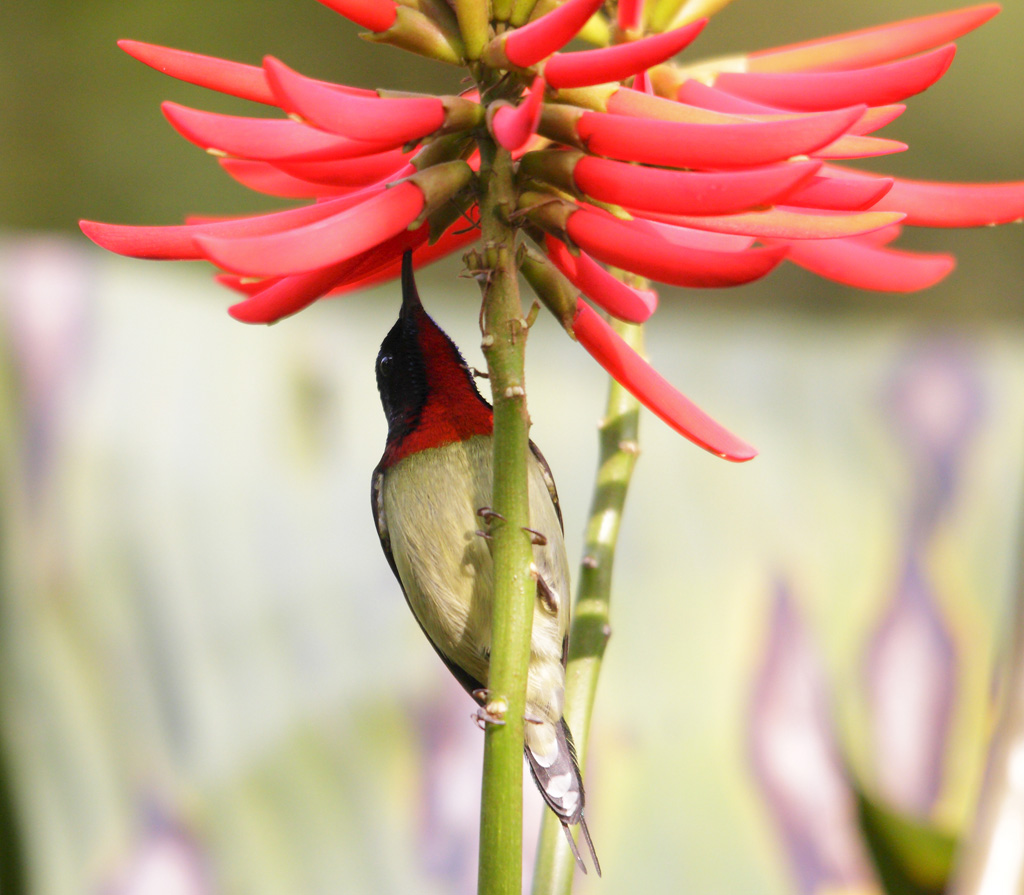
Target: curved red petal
<point x="880" y="237"/>
<point x="352" y="172"/>
<point x="872" y="46"/>
<point x="787" y="223"/>
<point x="695" y="93"/>
<point x="641" y="250"/>
<point x="376" y="15"/>
<point x="513" y="126"/>
<point x="839" y="193"/>
<point x="611" y="294"/>
<point x="285" y="296"/>
<point x="639" y="104"/>
<point x="642" y="84"/>
<point x="177" y="243"/>
<point x="291" y="294"/>
<point x="618" y="62"/>
<point x="688" y="192"/>
<point x="330" y="241"/>
<point x="266" y="139"/>
<point x="934" y="204"/>
<point x="359" y="117"/>
<point x="683" y="145"/>
<point x="630" y="17"/>
<point x="266" y="178"/>
<point x="856" y="146"/>
<point x="526" y="46"/>
<point x="690" y="238"/>
<point x="866" y="266"/>
<point x="818" y="91"/>
<point x="653" y="390"/>
<point x="233" y="78"/>
<point x="460" y="235"/>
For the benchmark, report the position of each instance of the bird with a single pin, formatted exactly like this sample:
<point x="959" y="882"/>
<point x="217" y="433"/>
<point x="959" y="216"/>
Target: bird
<point x="428" y="493"/>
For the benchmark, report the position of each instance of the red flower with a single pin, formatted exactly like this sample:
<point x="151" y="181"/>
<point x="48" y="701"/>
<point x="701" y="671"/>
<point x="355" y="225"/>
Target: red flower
<point x="706" y="175"/>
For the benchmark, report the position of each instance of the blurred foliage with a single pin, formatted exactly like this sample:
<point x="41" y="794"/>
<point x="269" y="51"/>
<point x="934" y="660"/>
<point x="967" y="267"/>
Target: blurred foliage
<point x="912" y="858"/>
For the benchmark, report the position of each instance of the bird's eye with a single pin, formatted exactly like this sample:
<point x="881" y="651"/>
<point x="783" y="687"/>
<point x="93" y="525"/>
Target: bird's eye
<point x="384" y="362"/>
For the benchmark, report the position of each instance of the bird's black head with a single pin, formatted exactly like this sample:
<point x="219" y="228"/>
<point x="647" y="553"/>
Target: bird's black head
<point x="425" y="385"/>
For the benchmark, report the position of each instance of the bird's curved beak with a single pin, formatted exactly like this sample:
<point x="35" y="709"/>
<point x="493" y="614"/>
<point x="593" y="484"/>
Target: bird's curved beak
<point x="410" y="297"/>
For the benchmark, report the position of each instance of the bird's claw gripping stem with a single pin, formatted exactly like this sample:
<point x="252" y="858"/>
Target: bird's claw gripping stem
<point x="492" y="709"/>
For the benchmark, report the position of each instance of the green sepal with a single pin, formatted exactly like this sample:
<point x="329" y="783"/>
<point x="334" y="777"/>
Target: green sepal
<point x="559" y="296"/>
<point x="418" y="33"/>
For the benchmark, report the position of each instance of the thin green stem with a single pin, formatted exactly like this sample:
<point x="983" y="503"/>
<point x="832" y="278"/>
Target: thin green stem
<point x="591" y="626"/>
<point x="990" y="859"/>
<point x="504" y="337"/>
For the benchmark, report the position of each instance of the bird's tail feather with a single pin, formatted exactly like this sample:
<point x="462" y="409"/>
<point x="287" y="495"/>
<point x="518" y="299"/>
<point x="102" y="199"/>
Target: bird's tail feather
<point x="557" y="773"/>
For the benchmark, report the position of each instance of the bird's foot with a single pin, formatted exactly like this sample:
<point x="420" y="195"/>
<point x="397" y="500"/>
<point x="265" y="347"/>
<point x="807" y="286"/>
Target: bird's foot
<point x="489" y="515"/>
<point x="536" y="538"/>
<point x="492" y="708"/>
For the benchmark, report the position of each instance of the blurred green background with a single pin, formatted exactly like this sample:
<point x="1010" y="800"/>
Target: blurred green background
<point x="209" y="680"/>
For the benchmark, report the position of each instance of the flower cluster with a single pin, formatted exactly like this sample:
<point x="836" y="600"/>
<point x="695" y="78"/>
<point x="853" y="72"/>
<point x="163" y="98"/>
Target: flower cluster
<point x="703" y="175"/>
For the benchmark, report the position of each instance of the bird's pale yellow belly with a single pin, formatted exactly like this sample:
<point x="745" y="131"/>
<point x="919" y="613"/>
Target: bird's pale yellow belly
<point x="446" y="568"/>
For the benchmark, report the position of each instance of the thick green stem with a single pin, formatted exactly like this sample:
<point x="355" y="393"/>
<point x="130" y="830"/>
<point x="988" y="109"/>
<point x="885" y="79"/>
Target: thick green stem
<point x="591" y="628"/>
<point x="504" y="337"/>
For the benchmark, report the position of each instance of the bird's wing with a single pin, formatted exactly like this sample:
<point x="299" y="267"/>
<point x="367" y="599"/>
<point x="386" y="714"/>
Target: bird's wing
<point x="468" y="682"/>
<point x="549" y="480"/>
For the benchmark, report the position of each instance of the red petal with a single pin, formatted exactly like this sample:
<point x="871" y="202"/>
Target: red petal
<point x="855" y="146"/>
<point x="637" y="103"/>
<point x="267" y="139"/>
<point x="701" y="95"/>
<point x="642" y="84"/>
<point x="871" y="46"/>
<point x="177" y="243"/>
<point x="630" y="16"/>
<point x="513" y="126"/>
<point x="653" y="390"/>
<point x="458" y="236"/>
<point x="233" y="78"/>
<point x="618" y="62"/>
<point x="638" y="249"/>
<point x="690" y="238"/>
<point x="818" y="91"/>
<point x="697" y="93"/>
<point x="286" y="296"/>
<point x="376" y="15"/>
<point x="614" y="296"/>
<point x="359" y="117"/>
<point x="785" y="223"/>
<point x="526" y="46"/>
<point x="687" y="192"/>
<point x="330" y="241"/>
<point x="880" y="237"/>
<point x="291" y="294"/>
<point x="858" y="263"/>
<point x="929" y="204"/>
<point x="352" y="172"/>
<point x="839" y="193"/>
<point x="682" y="145"/>
<point x="266" y="178"/>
